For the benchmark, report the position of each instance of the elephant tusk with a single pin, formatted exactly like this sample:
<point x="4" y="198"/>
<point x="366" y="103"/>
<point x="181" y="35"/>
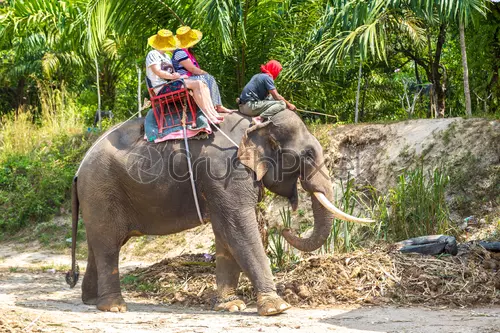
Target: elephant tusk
<point x="337" y="212"/>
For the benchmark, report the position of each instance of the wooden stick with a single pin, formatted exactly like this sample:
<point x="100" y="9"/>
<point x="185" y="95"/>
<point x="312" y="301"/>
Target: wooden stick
<point x="318" y="113"/>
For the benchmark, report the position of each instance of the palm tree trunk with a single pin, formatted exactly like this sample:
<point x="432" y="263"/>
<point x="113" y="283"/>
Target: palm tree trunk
<point x="356" y="112"/>
<point x="98" y="92"/>
<point x="362" y="111"/>
<point x="19" y="94"/>
<point x="138" y="89"/>
<point x="437" y="78"/>
<point x="468" y="108"/>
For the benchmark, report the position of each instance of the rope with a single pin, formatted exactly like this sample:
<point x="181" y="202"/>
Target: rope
<point x="191" y="176"/>
<point x="114" y="128"/>
<point x="218" y="128"/>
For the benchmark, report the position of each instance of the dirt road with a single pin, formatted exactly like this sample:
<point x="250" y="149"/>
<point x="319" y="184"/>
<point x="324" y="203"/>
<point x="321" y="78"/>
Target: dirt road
<point x="34" y="299"/>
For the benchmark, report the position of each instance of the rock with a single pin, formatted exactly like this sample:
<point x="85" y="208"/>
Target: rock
<point x="303" y="291"/>
<point x="179" y="298"/>
<point x="490" y="264"/>
<point x="291" y="297"/>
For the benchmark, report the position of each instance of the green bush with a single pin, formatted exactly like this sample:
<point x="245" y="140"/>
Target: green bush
<point x="34" y="185"/>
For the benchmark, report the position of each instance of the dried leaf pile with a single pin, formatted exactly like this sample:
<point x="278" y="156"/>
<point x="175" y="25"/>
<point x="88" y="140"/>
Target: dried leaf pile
<point x="373" y="277"/>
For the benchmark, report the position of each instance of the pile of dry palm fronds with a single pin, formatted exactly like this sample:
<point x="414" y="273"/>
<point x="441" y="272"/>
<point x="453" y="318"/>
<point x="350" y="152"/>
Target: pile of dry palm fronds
<point x="378" y="276"/>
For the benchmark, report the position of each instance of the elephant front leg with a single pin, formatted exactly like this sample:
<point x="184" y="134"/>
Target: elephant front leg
<point x="227" y="276"/>
<point x="239" y="233"/>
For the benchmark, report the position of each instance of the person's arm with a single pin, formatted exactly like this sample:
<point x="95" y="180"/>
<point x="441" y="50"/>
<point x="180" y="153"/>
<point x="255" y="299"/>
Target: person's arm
<point x="156" y="68"/>
<point x="278" y="97"/>
<point x="190" y="67"/>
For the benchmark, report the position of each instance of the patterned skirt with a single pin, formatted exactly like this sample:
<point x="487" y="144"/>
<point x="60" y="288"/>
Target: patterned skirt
<point x="212" y="86"/>
<point x="170" y="87"/>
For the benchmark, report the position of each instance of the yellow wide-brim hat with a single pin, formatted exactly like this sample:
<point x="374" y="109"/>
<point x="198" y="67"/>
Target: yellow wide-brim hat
<point x="188" y="37"/>
<point x="164" y="40"/>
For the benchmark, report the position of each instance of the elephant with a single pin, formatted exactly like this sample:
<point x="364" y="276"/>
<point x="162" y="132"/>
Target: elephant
<point x="126" y="187"/>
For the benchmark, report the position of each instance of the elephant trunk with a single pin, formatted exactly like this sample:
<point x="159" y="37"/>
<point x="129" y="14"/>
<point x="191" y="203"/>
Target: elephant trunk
<point x="324" y="212"/>
<point x="322" y="225"/>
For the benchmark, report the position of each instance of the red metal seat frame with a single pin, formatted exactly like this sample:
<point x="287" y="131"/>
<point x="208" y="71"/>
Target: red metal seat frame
<point x="167" y="105"/>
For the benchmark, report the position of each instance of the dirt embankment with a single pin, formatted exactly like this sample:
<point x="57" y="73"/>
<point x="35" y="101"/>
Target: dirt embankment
<point x="467" y="149"/>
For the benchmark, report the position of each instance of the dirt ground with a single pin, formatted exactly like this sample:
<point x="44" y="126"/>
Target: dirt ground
<point x="35" y="299"/>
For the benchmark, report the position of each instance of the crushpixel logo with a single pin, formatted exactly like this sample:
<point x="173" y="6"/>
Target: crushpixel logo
<point x="144" y="164"/>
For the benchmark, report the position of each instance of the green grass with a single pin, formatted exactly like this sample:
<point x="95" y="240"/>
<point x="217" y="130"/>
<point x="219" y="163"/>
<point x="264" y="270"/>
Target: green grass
<point x="280" y="252"/>
<point x="347" y="236"/>
<point x="416" y="206"/>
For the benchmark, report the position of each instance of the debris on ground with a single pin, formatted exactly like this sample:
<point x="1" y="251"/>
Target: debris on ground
<point x="379" y="276"/>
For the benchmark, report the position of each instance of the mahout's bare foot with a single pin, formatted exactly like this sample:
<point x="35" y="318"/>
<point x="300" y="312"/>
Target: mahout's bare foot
<point x="257" y="120"/>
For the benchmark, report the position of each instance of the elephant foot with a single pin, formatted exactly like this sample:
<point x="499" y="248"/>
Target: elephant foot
<point x="269" y="304"/>
<point x="231" y="304"/>
<point x="112" y="303"/>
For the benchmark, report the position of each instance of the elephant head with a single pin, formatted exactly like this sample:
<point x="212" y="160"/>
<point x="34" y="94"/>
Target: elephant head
<point x="280" y="152"/>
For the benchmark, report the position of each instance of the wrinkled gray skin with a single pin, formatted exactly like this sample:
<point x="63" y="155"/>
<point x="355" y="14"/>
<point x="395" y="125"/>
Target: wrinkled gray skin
<point x="118" y="201"/>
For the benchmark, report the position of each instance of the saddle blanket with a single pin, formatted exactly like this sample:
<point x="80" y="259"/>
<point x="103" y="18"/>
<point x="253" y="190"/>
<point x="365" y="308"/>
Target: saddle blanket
<point x="174" y="133"/>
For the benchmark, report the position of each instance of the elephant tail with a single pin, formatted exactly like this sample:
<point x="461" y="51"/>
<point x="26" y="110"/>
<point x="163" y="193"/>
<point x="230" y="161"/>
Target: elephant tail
<point x="74" y="273"/>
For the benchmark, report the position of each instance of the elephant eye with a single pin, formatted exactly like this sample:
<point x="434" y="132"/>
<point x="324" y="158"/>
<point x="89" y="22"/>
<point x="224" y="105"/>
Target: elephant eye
<point x="308" y="155"/>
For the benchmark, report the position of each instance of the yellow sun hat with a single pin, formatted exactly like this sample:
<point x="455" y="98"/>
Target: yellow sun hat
<point x="164" y="40"/>
<point x="188" y="37"/>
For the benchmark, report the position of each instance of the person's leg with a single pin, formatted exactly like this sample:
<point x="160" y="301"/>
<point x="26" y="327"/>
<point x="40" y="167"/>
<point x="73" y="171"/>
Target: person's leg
<point x="202" y="97"/>
<point x="270" y="108"/>
<point x="261" y="110"/>
<point x="215" y="93"/>
<point x="206" y="95"/>
<point x="250" y="109"/>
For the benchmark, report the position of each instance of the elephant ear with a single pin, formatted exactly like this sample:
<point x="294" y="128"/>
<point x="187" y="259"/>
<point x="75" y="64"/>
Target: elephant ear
<point x="256" y="148"/>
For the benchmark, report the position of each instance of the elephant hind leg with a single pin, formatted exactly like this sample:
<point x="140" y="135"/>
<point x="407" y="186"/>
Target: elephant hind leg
<point x="89" y="284"/>
<point x="104" y="266"/>
<point x="109" y="297"/>
<point x="227" y="275"/>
